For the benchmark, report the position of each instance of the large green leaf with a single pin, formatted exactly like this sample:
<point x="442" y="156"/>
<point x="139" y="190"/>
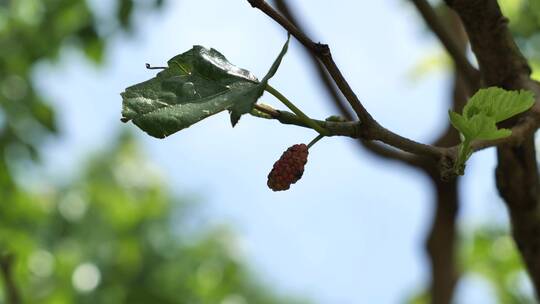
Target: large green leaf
<point x="195" y="85"/>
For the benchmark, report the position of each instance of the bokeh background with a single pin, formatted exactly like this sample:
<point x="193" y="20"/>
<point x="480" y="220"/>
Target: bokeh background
<point x="95" y="211"/>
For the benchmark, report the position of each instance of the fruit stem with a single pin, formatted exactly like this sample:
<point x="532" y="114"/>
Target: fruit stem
<point x="308" y="121"/>
<point x="315" y="140"/>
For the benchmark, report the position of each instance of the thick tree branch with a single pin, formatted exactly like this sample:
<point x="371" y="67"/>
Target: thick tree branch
<point x="518" y="183"/>
<point x="502" y="64"/>
<point x="452" y="46"/>
<point x="441" y="240"/>
<point x="6" y="269"/>
<point x="390" y="153"/>
<point x="380" y="133"/>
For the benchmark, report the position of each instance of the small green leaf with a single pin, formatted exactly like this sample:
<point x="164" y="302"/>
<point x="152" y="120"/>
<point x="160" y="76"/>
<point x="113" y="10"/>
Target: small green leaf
<point x="460" y="123"/>
<point x="482" y="113"/>
<point x="195" y="85"/>
<point x="484" y="128"/>
<point x="245" y="105"/>
<point x="498" y="103"/>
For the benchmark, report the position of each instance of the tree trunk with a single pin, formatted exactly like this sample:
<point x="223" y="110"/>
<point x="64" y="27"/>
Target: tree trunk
<point x="502" y="64"/>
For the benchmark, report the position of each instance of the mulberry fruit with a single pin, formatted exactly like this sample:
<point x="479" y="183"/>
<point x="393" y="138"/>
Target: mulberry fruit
<point x="289" y="168"/>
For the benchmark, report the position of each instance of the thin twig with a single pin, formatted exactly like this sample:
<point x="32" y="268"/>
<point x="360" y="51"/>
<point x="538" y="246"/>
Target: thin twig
<point x="324" y="77"/>
<point x="370" y="130"/>
<point x="354" y="130"/>
<point x="314" y="141"/>
<point x="347" y="128"/>
<point x="323" y="53"/>
<point x="335" y="96"/>
<point x="308" y="121"/>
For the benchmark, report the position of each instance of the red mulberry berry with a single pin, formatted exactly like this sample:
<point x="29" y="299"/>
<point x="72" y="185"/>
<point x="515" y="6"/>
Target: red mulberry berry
<point x="289" y="168"/>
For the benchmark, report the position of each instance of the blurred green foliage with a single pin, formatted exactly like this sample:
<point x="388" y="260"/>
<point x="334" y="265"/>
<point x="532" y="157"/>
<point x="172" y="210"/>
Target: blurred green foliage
<point x="524" y="16"/>
<point x="32" y="31"/>
<point x="489" y="254"/>
<point x="524" y="23"/>
<point x="114" y="234"/>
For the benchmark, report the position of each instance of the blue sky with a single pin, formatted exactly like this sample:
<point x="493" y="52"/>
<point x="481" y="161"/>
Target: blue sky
<point x="352" y="230"/>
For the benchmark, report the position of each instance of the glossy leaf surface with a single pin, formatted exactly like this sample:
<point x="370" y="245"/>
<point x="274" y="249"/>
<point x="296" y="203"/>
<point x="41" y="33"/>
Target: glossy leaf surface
<point x="196" y="84"/>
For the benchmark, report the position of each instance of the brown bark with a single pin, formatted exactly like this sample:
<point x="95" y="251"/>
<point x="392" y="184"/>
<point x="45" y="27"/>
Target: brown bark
<point x="502" y="64"/>
<point x="441" y="242"/>
<point x="517" y="181"/>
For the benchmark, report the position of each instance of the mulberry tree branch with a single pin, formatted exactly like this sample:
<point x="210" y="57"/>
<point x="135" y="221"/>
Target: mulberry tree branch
<point x="335" y="96"/>
<point x="322" y="52"/>
<point x="347" y="128"/>
<point x="441" y="240"/>
<point x="370" y="129"/>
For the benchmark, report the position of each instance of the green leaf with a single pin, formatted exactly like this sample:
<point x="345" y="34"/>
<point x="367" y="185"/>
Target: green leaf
<point x="244" y="106"/>
<point x="195" y="85"/>
<point x="498" y="103"/>
<point x="479" y="126"/>
<point x="460" y="123"/>
<point x="482" y="113"/>
<point x="484" y="128"/>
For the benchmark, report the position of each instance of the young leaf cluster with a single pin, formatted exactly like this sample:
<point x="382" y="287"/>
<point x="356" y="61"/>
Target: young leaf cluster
<point x="482" y="113"/>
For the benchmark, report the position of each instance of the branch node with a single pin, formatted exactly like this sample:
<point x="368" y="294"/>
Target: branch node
<point x="254" y="3"/>
<point x="322" y="49"/>
<point x="446" y="168"/>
